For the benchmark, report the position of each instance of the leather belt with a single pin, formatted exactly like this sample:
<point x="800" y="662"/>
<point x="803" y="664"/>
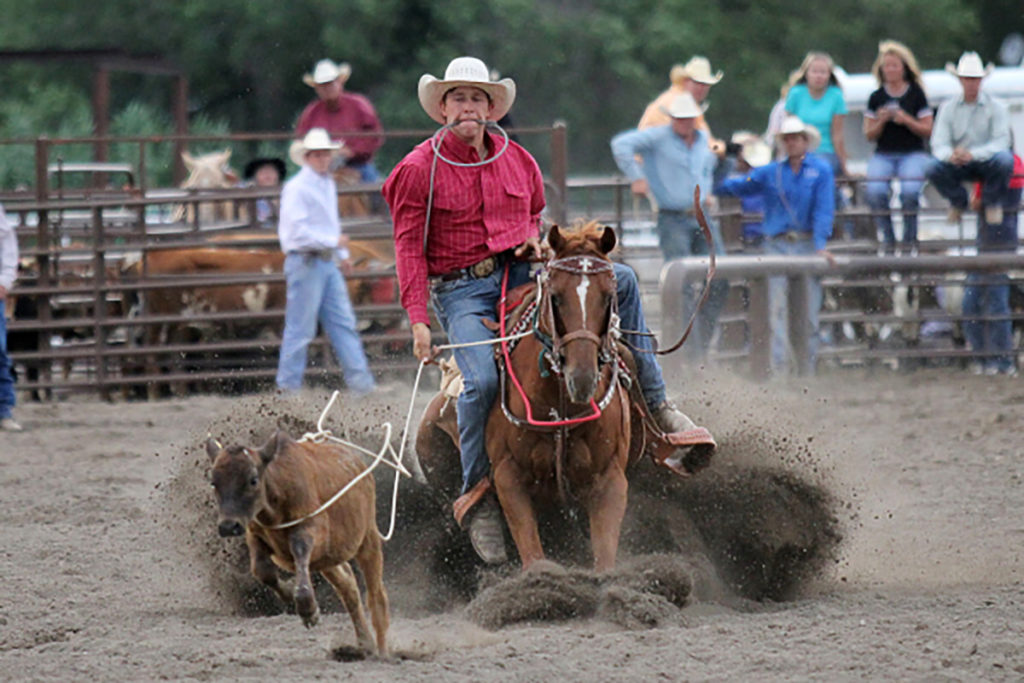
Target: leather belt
<point x="322" y="254"/>
<point x="478" y="270"/>
<point x="792" y="236"/>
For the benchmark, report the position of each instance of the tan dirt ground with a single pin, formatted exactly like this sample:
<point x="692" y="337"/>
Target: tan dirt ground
<point x="111" y="569"/>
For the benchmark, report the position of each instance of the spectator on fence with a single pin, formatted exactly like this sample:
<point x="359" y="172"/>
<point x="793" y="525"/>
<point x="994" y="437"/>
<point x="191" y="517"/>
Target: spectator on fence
<point x="971" y="141"/>
<point x="815" y="96"/>
<point x="695" y="78"/>
<point x="988" y="294"/>
<point x="899" y="121"/>
<point x="341" y="112"/>
<point x="676" y="159"/>
<point x="752" y="153"/>
<point x="8" y="272"/>
<point x="311" y="237"/>
<point x="265" y="172"/>
<point x="798" y="212"/>
<point x="457" y="226"/>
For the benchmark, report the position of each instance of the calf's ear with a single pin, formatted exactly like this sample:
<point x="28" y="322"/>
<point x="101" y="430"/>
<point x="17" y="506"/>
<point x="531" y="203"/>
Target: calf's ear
<point x="274" y="446"/>
<point x="213" y="448"/>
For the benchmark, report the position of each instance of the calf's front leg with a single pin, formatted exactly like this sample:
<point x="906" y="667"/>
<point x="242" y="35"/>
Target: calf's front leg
<point x="301" y="545"/>
<point x="265" y="571"/>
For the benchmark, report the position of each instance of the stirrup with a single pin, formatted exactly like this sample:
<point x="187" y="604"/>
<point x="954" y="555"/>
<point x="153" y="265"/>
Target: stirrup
<point x="684" y="453"/>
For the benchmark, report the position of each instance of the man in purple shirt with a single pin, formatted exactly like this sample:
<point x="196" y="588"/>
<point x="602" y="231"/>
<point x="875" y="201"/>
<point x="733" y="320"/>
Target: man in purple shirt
<point x="340" y="112"/>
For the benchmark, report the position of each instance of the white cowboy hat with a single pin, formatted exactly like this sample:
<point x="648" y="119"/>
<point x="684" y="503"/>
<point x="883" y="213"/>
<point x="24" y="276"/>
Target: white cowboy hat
<point x="792" y="125"/>
<point x="316" y="138"/>
<point x="699" y="69"/>
<point x="969" y="66"/>
<point x="465" y="71"/>
<point x="684" y="107"/>
<point x="326" y="71"/>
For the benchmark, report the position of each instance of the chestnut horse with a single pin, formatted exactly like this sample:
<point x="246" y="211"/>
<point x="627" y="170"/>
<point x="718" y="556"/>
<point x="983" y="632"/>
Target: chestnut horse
<point x="569" y="431"/>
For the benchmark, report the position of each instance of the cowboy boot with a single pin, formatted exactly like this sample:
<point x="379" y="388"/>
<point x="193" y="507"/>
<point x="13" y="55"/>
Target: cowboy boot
<point x="693" y="445"/>
<point x="478" y="512"/>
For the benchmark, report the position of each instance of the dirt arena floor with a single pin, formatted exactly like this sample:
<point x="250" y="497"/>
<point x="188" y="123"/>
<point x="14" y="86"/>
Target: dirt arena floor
<point x="852" y="527"/>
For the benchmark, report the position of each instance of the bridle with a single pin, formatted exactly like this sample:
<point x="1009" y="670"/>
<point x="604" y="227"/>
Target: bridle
<point x="585" y="266"/>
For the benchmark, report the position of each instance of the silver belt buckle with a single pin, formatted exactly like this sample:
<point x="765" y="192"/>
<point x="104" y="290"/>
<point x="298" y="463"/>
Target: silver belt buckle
<point x="483" y="268"/>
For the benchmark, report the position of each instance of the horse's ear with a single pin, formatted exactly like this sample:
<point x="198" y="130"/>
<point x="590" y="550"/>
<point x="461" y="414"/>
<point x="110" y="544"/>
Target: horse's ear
<point x="274" y="446"/>
<point x="213" y="448"/>
<point x="608" y="239"/>
<point x="190" y="161"/>
<point x="555" y="239"/>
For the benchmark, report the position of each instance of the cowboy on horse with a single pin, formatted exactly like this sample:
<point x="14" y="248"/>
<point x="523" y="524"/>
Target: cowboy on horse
<point x="466" y="207"/>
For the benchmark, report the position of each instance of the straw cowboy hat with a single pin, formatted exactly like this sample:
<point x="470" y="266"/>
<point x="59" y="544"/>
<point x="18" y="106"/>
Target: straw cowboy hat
<point x="684" y="107"/>
<point x="792" y="125"/>
<point x="969" y="66"/>
<point x="753" y="149"/>
<point x="326" y="71"/>
<point x="316" y="138"/>
<point x="465" y="71"/>
<point x="699" y="69"/>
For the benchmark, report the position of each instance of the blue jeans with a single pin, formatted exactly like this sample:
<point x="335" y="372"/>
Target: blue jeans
<point x="679" y="236"/>
<point x="988" y="294"/>
<point x="462" y="304"/>
<point x="6" y="376"/>
<point x="317" y="291"/>
<point x="910" y="169"/>
<point x="778" y="307"/>
<point x="994" y="173"/>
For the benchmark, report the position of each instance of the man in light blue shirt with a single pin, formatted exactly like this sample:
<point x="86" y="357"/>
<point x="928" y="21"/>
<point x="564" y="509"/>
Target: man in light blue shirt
<point x="676" y="159"/>
<point x="310" y="234"/>
<point x="799" y="207"/>
<point x="971" y="141"/>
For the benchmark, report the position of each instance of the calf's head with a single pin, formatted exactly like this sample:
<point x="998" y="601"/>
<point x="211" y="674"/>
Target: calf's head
<point x="236" y="478"/>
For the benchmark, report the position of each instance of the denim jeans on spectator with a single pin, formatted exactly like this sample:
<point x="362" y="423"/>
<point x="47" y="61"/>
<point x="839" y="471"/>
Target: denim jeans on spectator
<point x="462" y="304"/>
<point x="317" y="291"/>
<point x="679" y="236"/>
<point x="988" y="294"/>
<point x="6" y="374"/>
<point x="778" y="292"/>
<point x="883" y="168"/>
<point x="994" y="174"/>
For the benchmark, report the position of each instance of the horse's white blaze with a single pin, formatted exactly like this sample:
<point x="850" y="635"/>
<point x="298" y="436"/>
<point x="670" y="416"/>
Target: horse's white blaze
<point x="581" y="292"/>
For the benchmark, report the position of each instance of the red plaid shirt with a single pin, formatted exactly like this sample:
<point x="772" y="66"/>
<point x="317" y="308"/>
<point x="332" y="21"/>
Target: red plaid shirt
<point x="353" y="113"/>
<point x="476" y="211"/>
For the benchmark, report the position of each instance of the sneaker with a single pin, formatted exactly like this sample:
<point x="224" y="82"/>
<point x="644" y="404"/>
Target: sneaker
<point x="8" y="424"/>
<point x="1008" y="372"/>
<point x="670" y="419"/>
<point x="994" y="215"/>
<point x="954" y="215"/>
<point x="991" y="370"/>
<point x="975" y="368"/>
<point x="486" y="533"/>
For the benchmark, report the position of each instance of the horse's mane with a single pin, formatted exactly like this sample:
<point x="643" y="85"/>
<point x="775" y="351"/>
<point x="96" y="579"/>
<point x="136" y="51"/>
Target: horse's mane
<point x="583" y="237"/>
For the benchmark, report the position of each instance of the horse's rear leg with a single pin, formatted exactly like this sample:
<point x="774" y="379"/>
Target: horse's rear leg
<point x="518" y="509"/>
<point x="606" y="505"/>
<point x="344" y="582"/>
<point x="371" y="563"/>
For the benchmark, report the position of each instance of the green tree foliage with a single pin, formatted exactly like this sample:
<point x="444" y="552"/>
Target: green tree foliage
<point x="592" y="63"/>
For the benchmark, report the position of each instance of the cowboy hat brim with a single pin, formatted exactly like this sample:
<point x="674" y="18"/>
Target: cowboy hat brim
<point x="297" y="152"/>
<point x="344" y="71"/>
<point x="431" y="90"/>
<point x="709" y="79"/>
<point x="701" y="108"/>
<point x="952" y="69"/>
<point x="812" y="134"/>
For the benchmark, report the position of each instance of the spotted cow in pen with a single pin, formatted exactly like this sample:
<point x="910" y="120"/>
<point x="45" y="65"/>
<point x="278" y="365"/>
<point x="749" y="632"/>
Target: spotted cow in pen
<point x="279" y="496"/>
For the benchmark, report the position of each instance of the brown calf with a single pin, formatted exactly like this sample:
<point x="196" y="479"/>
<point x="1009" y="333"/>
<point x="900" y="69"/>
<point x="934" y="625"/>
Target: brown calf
<point x="284" y="481"/>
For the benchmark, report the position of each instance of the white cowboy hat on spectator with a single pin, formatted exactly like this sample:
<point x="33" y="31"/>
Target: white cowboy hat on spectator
<point x="465" y="71"/>
<point x="699" y="69"/>
<point x="753" y="149"/>
<point x="327" y="71"/>
<point x="792" y="125"/>
<point x="316" y="138"/>
<point x="684" y="107"/>
<point x="969" y="66"/>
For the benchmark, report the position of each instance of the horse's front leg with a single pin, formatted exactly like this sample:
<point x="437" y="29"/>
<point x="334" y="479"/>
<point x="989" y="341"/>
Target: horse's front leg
<point x="518" y="510"/>
<point x="606" y="506"/>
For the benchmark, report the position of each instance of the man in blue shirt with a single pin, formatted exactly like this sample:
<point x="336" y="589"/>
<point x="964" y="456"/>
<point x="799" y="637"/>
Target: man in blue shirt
<point x="799" y="207"/>
<point x="676" y="159"/>
<point x="310" y="236"/>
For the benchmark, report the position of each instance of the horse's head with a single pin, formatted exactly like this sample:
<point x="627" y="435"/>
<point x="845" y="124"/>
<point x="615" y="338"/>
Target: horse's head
<point x="579" y="303"/>
<point x="209" y="171"/>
